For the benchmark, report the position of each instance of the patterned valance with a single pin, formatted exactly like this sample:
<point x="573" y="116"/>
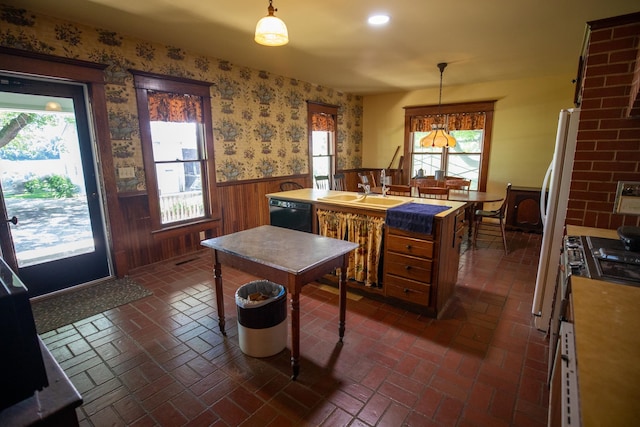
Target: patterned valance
<point x="322" y="122"/>
<point x="173" y="107"/>
<point x="462" y="121"/>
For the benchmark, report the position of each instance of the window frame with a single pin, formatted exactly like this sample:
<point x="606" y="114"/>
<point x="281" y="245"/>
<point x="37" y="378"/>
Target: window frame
<point x="144" y="82"/>
<point x="486" y="107"/>
<point x="330" y="110"/>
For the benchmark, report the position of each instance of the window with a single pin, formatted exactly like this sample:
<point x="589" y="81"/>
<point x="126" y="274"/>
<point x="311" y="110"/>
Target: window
<point x="177" y="143"/>
<point x="322" y="141"/>
<point x="470" y="124"/>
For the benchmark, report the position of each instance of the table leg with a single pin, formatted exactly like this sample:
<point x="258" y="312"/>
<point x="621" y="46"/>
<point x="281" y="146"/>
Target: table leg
<point x="342" y="286"/>
<point x="295" y="333"/>
<point x="217" y="274"/>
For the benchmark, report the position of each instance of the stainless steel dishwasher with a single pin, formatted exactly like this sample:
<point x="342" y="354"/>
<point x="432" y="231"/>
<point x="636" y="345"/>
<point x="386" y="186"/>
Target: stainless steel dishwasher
<point x="288" y="214"/>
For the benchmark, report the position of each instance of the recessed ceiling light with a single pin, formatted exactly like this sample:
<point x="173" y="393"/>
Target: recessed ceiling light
<point x="378" y="19"/>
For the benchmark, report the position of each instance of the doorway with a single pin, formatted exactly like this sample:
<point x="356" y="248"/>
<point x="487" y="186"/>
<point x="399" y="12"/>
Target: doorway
<point x="54" y="233"/>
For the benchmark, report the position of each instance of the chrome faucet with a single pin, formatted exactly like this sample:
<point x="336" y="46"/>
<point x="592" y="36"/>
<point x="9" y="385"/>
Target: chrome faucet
<point x="366" y="188"/>
<point x="383" y="176"/>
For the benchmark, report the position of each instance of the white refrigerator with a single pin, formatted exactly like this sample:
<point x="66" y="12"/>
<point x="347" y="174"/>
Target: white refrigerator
<point x="553" y="210"/>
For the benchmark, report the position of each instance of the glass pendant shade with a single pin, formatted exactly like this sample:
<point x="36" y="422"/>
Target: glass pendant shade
<point x="271" y="31"/>
<point x="438" y="137"/>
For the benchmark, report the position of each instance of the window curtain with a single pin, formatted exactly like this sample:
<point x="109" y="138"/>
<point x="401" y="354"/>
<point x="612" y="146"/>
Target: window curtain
<point x="463" y="121"/>
<point x="367" y="231"/>
<point x="322" y="122"/>
<point x="173" y="107"/>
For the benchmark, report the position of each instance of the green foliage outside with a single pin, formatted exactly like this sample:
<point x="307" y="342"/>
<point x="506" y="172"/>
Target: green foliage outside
<point x="56" y="186"/>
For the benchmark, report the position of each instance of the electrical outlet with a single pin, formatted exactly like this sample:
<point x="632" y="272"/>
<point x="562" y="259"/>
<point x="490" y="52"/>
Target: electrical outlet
<point x="202" y="235"/>
<point x="127" y="172"/>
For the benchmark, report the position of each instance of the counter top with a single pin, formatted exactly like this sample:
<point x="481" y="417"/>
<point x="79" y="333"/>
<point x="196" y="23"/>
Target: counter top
<point x="311" y="195"/>
<point x="606" y="320"/>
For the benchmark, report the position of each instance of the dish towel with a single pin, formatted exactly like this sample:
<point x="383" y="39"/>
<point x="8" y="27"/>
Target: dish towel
<point x="416" y="217"/>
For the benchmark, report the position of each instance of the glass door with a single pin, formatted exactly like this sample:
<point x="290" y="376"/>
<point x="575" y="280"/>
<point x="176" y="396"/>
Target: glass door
<point x="54" y="231"/>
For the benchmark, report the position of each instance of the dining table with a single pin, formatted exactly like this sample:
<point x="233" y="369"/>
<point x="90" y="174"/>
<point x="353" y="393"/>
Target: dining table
<point x="473" y="200"/>
<point x="287" y="257"/>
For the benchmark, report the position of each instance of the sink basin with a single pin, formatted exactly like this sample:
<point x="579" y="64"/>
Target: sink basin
<point x="380" y="201"/>
<point x="342" y="197"/>
<point x="362" y="201"/>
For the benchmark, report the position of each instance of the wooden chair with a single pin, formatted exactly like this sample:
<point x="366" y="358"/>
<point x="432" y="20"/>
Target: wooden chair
<point x="399" y="190"/>
<point x="441" y="193"/>
<point x="425" y="182"/>
<point x="290" y="185"/>
<point x="372" y="180"/>
<point x="458" y="184"/>
<point x="496" y="219"/>
<point x="339" y="182"/>
<point x="322" y="182"/>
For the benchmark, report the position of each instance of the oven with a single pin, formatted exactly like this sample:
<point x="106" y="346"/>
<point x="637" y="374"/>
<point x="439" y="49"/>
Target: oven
<point x="594" y="258"/>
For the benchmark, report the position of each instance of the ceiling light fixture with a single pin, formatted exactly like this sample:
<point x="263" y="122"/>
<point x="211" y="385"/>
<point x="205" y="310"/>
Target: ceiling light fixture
<point x="378" y="19"/>
<point x="438" y="137"/>
<point x="270" y="30"/>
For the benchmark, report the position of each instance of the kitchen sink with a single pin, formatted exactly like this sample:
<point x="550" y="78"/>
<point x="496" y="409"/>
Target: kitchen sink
<point x="342" y="198"/>
<point x="370" y="201"/>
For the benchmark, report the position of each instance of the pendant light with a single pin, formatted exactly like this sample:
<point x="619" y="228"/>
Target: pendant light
<point x="270" y="30"/>
<point x="438" y="137"/>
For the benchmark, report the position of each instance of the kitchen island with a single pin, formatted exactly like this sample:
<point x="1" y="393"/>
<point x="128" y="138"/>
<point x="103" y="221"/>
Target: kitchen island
<point x="418" y="270"/>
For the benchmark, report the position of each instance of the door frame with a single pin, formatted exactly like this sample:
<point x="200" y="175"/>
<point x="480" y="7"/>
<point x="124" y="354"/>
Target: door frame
<point x="92" y="75"/>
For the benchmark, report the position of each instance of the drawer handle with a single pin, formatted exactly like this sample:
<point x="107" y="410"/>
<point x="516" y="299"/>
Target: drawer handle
<point x="405" y="290"/>
<point x="408" y="246"/>
<point x="407" y="267"/>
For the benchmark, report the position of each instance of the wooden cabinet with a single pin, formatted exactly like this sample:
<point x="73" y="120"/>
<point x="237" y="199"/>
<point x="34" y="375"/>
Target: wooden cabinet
<point x="422" y="269"/>
<point x="523" y="210"/>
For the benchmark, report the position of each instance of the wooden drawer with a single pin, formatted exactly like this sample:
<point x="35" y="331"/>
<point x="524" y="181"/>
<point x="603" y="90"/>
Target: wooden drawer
<point x="410" y="246"/>
<point x="408" y="266"/>
<point x="460" y="220"/>
<point x="407" y="290"/>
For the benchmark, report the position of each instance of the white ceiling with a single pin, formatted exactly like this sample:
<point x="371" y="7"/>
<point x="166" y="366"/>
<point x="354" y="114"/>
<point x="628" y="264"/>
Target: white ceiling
<point x="332" y="45"/>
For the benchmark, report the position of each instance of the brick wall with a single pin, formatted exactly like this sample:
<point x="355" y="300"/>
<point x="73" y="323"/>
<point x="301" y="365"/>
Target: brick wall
<point x="608" y="148"/>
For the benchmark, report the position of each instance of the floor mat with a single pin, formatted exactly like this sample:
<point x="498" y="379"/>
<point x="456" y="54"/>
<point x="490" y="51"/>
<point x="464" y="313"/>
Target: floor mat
<point x="69" y="307"/>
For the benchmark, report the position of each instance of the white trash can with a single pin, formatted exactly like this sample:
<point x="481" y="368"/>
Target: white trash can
<point x="262" y="318"/>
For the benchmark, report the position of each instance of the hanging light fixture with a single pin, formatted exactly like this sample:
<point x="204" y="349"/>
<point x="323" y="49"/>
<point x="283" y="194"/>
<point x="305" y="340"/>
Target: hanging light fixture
<point x="438" y="137"/>
<point x="270" y="30"/>
<point x="52" y="106"/>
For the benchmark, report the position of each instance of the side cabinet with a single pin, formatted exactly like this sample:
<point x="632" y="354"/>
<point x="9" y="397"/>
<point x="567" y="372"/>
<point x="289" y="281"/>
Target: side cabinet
<point x="422" y="269"/>
<point x="523" y="210"/>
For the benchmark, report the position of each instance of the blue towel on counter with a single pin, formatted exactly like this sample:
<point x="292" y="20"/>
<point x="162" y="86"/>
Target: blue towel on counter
<point x="416" y="217"/>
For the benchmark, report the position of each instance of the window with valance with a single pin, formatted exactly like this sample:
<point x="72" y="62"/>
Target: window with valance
<point x="469" y="123"/>
<point x="322" y="139"/>
<point x="177" y="144"/>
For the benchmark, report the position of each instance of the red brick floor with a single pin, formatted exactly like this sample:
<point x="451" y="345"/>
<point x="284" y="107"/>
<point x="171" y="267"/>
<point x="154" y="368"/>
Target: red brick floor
<point x="162" y="360"/>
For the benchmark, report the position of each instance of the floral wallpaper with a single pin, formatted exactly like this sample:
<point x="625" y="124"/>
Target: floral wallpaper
<point x="259" y="119"/>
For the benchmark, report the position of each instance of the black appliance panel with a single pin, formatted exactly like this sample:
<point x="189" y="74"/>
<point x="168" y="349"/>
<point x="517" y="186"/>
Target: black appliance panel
<point x="22" y="370"/>
<point x="292" y="215"/>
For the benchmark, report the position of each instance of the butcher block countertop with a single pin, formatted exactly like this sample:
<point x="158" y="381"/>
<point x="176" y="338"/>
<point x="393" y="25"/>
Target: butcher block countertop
<point x="607" y="335"/>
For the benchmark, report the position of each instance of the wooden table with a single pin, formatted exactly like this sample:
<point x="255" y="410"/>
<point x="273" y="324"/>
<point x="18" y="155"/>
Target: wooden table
<point x="287" y="257"/>
<point x="54" y="405"/>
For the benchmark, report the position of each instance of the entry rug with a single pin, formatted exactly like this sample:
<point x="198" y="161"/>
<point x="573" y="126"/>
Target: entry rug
<point x="69" y="307"/>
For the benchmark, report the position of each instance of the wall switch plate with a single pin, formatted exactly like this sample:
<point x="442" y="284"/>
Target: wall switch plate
<point x="127" y="172"/>
<point x="202" y="235"/>
<point x="627" y="198"/>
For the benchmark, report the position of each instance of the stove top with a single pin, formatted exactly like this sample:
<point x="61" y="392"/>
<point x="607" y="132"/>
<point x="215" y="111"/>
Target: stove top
<point x="602" y="259"/>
